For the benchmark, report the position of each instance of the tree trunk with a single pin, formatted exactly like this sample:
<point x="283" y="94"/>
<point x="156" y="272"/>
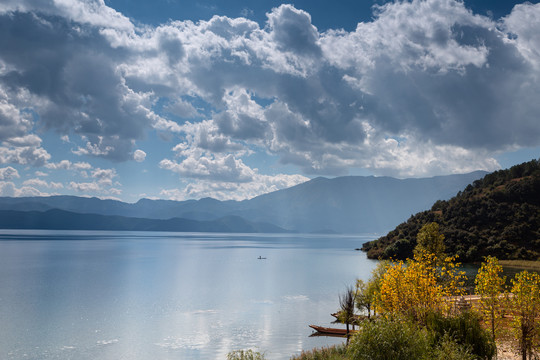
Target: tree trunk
<point x="493" y="323"/>
<point x="523" y="341"/>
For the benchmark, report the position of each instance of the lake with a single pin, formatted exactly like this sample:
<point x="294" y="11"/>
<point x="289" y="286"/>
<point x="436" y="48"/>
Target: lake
<point x="151" y="295"/>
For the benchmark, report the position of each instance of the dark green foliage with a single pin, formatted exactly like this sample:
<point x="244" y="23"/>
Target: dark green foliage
<point x="498" y="215"/>
<point x="464" y="329"/>
<point x="430" y="240"/>
<point x="389" y="340"/>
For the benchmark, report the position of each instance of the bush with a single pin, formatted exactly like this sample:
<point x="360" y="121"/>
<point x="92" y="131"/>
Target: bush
<point x="443" y="339"/>
<point x="464" y="329"/>
<point x="449" y="349"/>
<point x="245" y="355"/>
<point x="385" y="339"/>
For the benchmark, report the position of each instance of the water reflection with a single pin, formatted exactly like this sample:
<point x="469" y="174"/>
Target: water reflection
<point x="112" y="295"/>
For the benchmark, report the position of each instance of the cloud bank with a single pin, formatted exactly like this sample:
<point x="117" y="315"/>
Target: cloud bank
<point x="427" y="87"/>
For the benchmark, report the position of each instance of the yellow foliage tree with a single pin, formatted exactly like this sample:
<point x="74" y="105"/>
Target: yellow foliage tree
<point x="525" y="301"/>
<point x="490" y="286"/>
<point x="419" y="286"/>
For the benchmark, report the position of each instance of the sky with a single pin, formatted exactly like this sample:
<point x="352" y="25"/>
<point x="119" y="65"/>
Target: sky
<point x="174" y="99"/>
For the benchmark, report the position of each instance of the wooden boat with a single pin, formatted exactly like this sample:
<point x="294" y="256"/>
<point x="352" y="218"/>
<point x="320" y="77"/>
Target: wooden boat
<point x="331" y="331"/>
<point x="357" y="318"/>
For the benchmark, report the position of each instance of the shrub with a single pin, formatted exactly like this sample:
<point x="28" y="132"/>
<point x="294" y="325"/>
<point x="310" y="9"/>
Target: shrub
<point x="245" y="355"/>
<point x="443" y="339"/>
<point x="465" y="329"/>
<point x="449" y="349"/>
<point x="386" y="339"/>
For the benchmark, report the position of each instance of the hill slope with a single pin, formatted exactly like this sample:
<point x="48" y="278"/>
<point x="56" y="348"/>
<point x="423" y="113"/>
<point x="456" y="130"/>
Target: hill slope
<point x="498" y="215"/>
<point x="351" y="204"/>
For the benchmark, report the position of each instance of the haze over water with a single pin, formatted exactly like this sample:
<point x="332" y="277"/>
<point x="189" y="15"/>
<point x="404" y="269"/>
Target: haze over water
<point x="120" y="295"/>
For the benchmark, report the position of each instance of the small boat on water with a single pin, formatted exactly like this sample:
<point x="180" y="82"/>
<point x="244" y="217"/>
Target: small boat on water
<point x="357" y="318"/>
<point x="261" y="258"/>
<point x="331" y="331"/>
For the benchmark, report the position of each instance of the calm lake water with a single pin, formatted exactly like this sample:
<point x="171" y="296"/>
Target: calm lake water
<point x="133" y="295"/>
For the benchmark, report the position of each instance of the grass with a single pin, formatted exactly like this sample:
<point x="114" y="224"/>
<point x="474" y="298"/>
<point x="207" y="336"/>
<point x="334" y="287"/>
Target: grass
<point x="336" y="352"/>
<point x="245" y="355"/>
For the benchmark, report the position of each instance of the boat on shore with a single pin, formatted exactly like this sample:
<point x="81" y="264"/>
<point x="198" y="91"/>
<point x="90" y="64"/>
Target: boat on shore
<point x="332" y="331"/>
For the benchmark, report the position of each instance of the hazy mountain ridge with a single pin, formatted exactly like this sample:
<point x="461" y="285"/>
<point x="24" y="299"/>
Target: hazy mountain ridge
<point x="66" y="220"/>
<point x="350" y="204"/>
<point x="354" y="204"/>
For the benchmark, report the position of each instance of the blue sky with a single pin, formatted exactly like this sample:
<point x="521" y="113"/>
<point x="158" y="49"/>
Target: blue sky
<point x="180" y="100"/>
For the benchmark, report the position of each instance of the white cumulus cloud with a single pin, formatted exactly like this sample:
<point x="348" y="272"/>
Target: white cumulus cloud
<point x="425" y="87"/>
<point x="260" y="184"/>
<point x="8" y="188"/>
<point x="40" y="183"/>
<point x="85" y="187"/>
<point x="8" y="173"/>
<point x="139" y="155"/>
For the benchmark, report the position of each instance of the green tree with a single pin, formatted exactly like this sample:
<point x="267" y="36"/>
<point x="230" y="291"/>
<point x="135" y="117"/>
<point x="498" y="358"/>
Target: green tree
<point x="430" y="240"/>
<point x="490" y="286"/>
<point x="365" y="296"/>
<point x="525" y="301"/>
<point x="375" y="282"/>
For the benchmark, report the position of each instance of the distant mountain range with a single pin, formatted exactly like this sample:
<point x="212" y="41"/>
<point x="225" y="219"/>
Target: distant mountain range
<point x="67" y="220"/>
<point x="352" y="204"/>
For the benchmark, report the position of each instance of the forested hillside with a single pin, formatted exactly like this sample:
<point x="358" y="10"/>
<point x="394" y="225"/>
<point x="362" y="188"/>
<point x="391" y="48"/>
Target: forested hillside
<point x="498" y="215"/>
